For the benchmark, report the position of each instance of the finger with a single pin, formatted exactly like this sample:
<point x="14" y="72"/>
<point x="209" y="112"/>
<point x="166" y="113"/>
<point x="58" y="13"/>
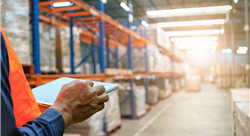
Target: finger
<point x="100" y="89"/>
<point x="100" y="107"/>
<point x="102" y="99"/>
<point x="90" y="83"/>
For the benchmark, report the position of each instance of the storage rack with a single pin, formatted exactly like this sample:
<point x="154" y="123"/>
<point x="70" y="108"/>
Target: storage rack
<point x="69" y="16"/>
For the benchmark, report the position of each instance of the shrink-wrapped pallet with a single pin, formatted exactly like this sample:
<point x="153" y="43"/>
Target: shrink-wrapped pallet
<point x="238" y="95"/>
<point x="93" y="126"/>
<point x="156" y="35"/>
<point x="65" y="35"/>
<point x="47" y="47"/>
<point x="15" y="23"/>
<point x="139" y="100"/>
<point x="113" y="115"/>
<point x="153" y="94"/>
<point x="242" y="118"/>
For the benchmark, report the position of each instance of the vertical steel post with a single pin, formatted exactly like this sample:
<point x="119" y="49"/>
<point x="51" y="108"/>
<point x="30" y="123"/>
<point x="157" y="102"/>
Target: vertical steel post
<point x="146" y="67"/>
<point x="247" y="40"/>
<point x="130" y="65"/>
<point x="93" y="57"/>
<point x="116" y="58"/>
<point x="35" y="36"/>
<point x="107" y="49"/>
<point x="101" y="47"/>
<point x="233" y="49"/>
<point x="173" y="66"/>
<point x="71" y="45"/>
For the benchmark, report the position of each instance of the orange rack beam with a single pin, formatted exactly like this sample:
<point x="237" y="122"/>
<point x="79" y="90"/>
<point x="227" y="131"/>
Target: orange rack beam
<point x="38" y="80"/>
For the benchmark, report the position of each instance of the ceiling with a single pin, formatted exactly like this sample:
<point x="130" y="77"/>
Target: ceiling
<point x="141" y="6"/>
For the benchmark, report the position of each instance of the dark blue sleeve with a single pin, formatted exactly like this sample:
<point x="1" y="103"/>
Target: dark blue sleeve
<point x="49" y="123"/>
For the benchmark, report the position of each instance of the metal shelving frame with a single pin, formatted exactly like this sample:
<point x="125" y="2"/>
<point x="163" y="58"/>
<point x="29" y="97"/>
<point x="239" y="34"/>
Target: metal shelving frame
<point x="96" y="36"/>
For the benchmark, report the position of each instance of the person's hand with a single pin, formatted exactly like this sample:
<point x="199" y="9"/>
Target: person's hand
<point x="78" y="100"/>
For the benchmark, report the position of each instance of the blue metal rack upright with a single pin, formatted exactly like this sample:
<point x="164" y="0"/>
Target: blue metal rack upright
<point x="101" y="48"/>
<point x="129" y="51"/>
<point x="35" y="35"/>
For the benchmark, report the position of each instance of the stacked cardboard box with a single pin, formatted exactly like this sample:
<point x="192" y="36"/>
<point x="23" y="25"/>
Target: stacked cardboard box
<point x="193" y="83"/>
<point x="114" y="72"/>
<point x="240" y="111"/>
<point x="223" y="76"/>
<point x="113" y="115"/>
<point x="139" y="100"/>
<point x="15" y="23"/>
<point x="165" y="88"/>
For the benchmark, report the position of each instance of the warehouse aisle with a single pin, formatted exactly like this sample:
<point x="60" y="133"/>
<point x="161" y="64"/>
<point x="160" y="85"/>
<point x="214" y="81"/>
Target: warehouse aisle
<point x="206" y="113"/>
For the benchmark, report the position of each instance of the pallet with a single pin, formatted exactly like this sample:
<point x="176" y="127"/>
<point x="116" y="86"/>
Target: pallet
<point x="193" y="91"/>
<point x="162" y="99"/>
<point x="153" y="104"/>
<point x="114" y="130"/>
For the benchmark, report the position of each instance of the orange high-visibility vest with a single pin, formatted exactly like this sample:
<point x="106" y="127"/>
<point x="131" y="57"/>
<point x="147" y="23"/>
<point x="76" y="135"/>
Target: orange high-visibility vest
<point x="25" y="107"/>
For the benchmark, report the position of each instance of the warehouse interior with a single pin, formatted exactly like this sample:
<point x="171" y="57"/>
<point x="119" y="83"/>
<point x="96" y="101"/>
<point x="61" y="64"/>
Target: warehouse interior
<point x="182" y="66"/>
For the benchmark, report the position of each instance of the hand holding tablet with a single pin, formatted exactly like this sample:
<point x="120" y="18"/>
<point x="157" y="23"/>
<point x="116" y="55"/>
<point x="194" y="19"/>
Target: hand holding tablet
<point x="76" y="100"/>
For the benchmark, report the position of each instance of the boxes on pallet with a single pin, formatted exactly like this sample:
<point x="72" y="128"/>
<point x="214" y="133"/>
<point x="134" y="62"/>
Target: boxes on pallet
<point x="193" y="83"/>
<point x="47" y="47"/>
<point x="165" y="88"/>
<point x="153" y="94"/>
<point x="113" y="115"/>
<point x="91" y="127"/>
<point x="156" y="35"/>
<point x="238" y="95"/>
<point x="65" y="35"/>
<point x="139" y="100"/>
<point x="15" y="23"/>
<point x="242" y="118"/>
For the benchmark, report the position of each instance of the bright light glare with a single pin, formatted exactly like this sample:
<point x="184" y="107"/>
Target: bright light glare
<point x="226" y="50"/>
<point x="203" y="43"/>
<point x="235" y="1"/>
<point x="192" y="23"/>
<point x="196" y="32"/>
<point x="144" y="23"/>
<point x="243" y="48"/>
<point x="188" y="47"/>
<point x="190" y="39"/>
<point x="62" y="4"/>
<point x="124" y="6"/>
<point x="241" y="51"/>
<point x="190" y="11"/>
<point x="191" y="51"/>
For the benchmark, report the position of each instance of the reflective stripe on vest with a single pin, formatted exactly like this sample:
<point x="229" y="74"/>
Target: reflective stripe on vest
<point x="25" y="107"/>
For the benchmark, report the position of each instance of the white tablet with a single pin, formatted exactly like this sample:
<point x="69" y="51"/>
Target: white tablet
<point x="47" y="93"/>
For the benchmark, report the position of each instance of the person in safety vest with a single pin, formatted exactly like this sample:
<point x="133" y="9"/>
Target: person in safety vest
<point x="20" y="115"/>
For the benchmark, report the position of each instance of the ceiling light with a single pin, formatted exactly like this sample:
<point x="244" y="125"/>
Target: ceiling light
<point x="203" y="43"/>
<point x="188" y="47"/>
<point x="62" y="4"/>
<point x="124" y="6"/>
<point x="235" y="1"/>
<point x="196" y="32"/>
<point x="190" y="39"/>
<point x="226" y="50"/>
<point x="190" y="11"/>
<point x="241" y="51"/>
<point x="192" y="23"/>
<point x="242" y="48"/>
<point x="144" y="23"/>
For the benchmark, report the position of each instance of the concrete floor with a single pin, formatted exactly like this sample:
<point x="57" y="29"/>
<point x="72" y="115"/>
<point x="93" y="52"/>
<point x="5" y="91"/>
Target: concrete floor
<point x="206" y="113"/>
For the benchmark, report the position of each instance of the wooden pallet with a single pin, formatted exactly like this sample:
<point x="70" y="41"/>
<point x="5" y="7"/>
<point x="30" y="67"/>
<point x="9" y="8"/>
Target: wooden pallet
<point x="137" y="117"/>
<point x="153" y="104"/>
<point x="165" y="97"/>
<point x="114" y="130"/>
